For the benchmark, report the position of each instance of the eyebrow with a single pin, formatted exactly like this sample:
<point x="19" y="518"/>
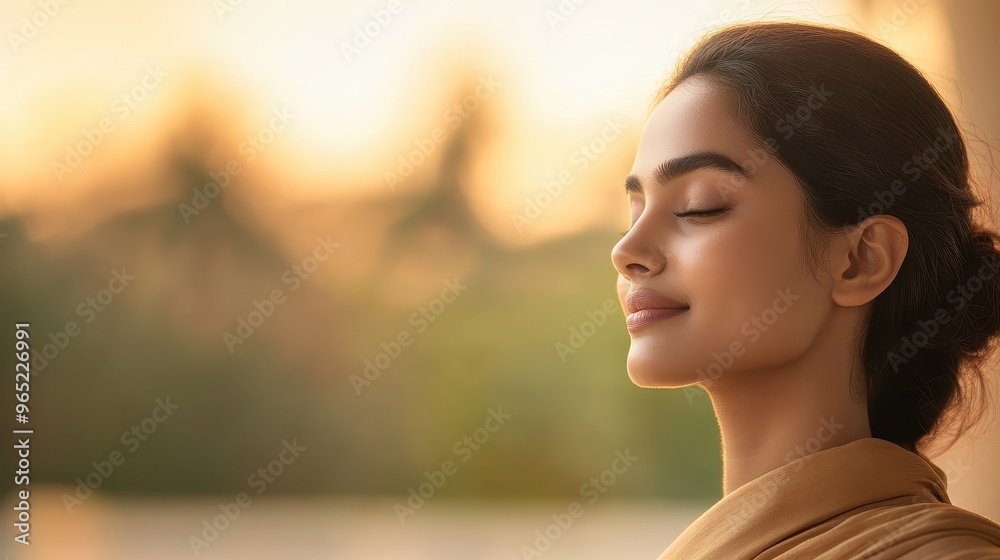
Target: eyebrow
<point x="674" y="168"/>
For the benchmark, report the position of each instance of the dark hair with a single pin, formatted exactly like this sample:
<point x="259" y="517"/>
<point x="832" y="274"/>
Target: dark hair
<point x="864" y="133"/>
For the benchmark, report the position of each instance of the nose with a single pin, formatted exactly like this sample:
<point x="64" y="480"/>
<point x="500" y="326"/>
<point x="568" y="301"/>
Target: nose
<point x="634" y="256"/>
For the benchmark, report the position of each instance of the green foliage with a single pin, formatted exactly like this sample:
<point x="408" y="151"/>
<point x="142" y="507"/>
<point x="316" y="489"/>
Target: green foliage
<point x="493" y="347"/>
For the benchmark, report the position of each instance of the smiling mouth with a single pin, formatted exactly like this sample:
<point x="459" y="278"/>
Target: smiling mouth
<point x="645" y="317"/>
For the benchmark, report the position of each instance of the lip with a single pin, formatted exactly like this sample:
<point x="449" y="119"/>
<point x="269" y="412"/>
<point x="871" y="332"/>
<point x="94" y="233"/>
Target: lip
<point x="644" y="307"/>
<point x="645" y="317"/>
<point x="645" y="299"/>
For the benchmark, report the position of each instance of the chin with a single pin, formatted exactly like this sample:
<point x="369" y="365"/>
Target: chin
<point x="644" y="380"/>
<point x="657" y="375"/>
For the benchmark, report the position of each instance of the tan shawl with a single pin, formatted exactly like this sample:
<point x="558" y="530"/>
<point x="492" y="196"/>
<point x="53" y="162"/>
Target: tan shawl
<point x="869" y="499"/>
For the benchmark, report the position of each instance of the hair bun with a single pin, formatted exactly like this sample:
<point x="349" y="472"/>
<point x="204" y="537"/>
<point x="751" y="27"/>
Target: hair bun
<point x="977" y="298"/>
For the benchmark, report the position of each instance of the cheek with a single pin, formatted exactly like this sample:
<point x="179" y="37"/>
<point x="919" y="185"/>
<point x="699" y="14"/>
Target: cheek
<point x="735" y="275"/>
<point x="727" y="266"/>
<point x="755" y="296"/>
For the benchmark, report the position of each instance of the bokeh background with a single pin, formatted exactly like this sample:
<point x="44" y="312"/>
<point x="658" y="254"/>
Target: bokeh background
<point x="312" y="253"/>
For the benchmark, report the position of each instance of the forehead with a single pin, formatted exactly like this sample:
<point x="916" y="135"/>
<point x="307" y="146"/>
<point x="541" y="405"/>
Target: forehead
<point x="696" y="116"/>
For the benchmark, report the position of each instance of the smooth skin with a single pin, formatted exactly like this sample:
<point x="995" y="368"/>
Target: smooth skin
<point x="790" y="382"/>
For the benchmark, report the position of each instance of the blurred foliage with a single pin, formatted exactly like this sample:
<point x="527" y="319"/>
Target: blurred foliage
<point x="493" y="347"/>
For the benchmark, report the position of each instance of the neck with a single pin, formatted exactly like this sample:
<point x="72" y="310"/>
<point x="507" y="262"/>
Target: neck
<point x="771" y="417"/>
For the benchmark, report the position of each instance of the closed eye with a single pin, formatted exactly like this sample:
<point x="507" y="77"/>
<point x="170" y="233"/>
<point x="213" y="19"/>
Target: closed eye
<point x="701" y="212"/>
<point x="695" y="213"/>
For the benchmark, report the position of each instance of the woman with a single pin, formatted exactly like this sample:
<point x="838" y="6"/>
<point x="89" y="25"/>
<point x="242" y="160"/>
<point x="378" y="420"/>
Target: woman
<point x="802" y="246"/>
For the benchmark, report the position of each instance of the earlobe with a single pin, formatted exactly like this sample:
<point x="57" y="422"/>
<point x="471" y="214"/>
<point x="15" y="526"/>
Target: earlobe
<point x="868" y="258"/>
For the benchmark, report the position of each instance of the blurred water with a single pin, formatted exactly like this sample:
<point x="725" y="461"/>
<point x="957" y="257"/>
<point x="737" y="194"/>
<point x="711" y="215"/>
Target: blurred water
<point x="366" y="528"/>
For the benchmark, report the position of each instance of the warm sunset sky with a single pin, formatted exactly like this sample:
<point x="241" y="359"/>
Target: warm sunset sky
<point x="559" y="80"/>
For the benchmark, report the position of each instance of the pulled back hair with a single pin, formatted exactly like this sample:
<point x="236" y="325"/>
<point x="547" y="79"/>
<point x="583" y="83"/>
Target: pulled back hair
<point x="865" y="134"/>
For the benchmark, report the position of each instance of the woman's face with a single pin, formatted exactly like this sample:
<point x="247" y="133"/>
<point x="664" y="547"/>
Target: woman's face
<point x="751" y="303"/>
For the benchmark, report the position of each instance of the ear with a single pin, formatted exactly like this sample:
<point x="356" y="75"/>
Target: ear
<point x="866" y="259"/>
